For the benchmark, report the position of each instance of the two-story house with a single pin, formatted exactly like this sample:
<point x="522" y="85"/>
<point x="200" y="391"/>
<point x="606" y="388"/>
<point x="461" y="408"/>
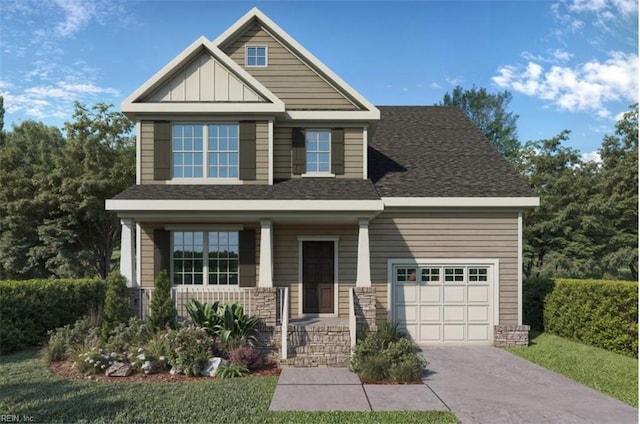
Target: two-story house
<point x="258" y="167"/>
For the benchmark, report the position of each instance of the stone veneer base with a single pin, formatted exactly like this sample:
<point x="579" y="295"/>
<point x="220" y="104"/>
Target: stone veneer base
<point x="511" y="335"/>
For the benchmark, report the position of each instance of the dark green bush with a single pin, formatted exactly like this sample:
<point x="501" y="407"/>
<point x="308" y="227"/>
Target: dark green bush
<point x="409" y="370"/>
<point x="595" y="312"/>
<point x="534" y="292"/>
<point x="117" y="309"/>
<point x="31" y="308"/>
<point x="163" y="311"/>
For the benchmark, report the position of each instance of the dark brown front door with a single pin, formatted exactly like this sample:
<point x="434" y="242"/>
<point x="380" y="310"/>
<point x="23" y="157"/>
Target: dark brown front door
<point x="317" y="277"/>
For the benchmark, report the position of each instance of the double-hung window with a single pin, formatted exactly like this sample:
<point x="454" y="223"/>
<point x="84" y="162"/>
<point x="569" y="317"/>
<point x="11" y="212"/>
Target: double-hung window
<point x="318" y="151"/>
<point x="205" y="150"/>
<point x="205" y="258"/>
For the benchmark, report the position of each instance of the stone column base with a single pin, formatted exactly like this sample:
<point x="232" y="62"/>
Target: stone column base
<point x="510" y="335"/>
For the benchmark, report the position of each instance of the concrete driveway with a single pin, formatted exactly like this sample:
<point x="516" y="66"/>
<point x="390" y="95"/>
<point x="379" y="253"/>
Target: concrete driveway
<point x="489" y="385"/>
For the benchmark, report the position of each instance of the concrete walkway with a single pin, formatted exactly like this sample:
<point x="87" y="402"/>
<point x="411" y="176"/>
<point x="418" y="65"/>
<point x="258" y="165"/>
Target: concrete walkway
<point x="338" y="389"/>
<point x="489" y="385"/>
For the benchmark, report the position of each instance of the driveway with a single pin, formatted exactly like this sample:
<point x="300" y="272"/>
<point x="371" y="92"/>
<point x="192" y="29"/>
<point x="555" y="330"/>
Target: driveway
<point x="489" y="385"/>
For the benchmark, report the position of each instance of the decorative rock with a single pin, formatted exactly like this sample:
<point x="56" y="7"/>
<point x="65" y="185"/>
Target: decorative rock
<point x="148" y="367"/>
<point x="176" y="370"/>
<point x="119" y="369"/>
<point x="211" y="367"/>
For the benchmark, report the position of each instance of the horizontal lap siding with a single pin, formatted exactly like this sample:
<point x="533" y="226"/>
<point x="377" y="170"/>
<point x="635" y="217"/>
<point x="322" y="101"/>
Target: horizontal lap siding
<point x="285" y="258"/>
<point x="448" y="235"/>
<point x="353" y="162"/>
<point x="262" y="153"/>
<point x="146" y="250"/>
<point x="287" y="76"/>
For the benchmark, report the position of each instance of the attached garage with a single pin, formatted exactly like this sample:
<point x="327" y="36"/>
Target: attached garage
<point x="446" y="301"/>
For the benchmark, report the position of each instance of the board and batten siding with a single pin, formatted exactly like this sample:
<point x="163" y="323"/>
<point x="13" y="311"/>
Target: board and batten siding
<point x="286" y="256"/>
<point x="146" y="153"/>
<point x="445" y="235"/>
<point x="288" y="77"/>
<point x="147" y="250"/>
<point x="282" y="159"/>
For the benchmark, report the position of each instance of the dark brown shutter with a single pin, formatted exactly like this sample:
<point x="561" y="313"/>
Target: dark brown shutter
<point x="337" y="151"/>
<point x="299" y="154"/>
<point x="247" y="150"/>
<point x="161" y="150"/>
<point x="161" y="252"/>
<point x="247" y="260"/>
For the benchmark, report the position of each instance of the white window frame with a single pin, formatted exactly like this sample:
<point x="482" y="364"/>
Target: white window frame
<point x="205" y="159"/>
<point x="266" y="56"/>
<point x="316" y="174"/>
<point x="205" y="255"/>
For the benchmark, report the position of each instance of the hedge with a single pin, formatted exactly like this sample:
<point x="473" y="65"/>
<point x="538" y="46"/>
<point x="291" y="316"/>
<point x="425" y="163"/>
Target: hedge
<point x="30" y="308"/>
<point x="534" y="292"/>
<point x="595" y="312"/>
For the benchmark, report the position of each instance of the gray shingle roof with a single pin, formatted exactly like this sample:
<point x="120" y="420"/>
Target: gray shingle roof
<point x="298" y="189"/>
<point x="436" y="151"/>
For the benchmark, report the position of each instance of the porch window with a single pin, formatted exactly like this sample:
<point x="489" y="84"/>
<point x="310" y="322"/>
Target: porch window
<point x="192" y="157"/>
<point x="205" y="258"/>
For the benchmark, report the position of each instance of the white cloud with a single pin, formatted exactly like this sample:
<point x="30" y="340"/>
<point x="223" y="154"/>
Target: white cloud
<point x="591" y="157"/>
<point x="454" y="80"/>
<point x="435" y="85"/>
<point x="587" y="87"/>
<point x="77" y="15"/>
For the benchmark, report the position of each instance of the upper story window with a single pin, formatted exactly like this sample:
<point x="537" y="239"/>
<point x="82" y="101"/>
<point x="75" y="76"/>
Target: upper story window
<point x="256" y="56"/>
<point x="193" y="158"/>
<point x="318" y="151"/>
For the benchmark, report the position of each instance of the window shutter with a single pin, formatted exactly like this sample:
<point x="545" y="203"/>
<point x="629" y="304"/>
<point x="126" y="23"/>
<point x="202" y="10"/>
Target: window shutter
<point x="299" y="154"/>
<point x="337" y="151"/>
<point x="247" y="150"/>
<point x="161" y="150"/>
<point x="247" y="260"/>
<point x="161" y="252"/>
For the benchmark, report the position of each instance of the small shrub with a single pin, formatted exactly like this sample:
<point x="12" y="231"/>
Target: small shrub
<point x="235" y="328"/>
<point x="371" y="345"/>
<point x="247" y="356"/>
<point x="163" y="311"/>
<point x="130" y="336"/>
<point x="400" y="350"/>
<point x="408" y="370"/>
<point x="232" y="371"/>
<point x="375" y="368"/>
<point x="190" y="348"/>
<point x="64" y="340"/>
<point x="158" y="347"/>
<point x="55" y="349"/>
<point x="388" y="332"/>
<point x="117" y="309"/>
<point x="204" y="315"/>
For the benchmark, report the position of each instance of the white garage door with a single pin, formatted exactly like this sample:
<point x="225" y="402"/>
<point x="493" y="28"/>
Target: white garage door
<point x="444" y="303"/>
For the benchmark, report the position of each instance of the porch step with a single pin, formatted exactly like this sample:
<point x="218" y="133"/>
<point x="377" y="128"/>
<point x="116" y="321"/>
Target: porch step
<point x="318" y="344"/>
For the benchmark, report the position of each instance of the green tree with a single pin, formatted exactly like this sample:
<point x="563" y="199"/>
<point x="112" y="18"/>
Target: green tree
<point x="163" y="312"/>
<point x="117" y="308"/>
<point x="97" y="163"/>
<point x="1" y="121"/>
<point x="489" y="113"/>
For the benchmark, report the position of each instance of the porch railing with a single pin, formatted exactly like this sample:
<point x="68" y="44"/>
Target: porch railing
<point x="352" y="318"/>
<point x="282" y="317"/>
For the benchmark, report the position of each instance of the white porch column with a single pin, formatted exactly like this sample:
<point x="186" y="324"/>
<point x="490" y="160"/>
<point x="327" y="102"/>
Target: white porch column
<point x="363" y="277"/>
<point x="127" y="252"/>
<point x="265" y="279"/>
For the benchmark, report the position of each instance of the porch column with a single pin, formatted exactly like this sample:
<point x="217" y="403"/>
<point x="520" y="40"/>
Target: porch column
<point x="127" y="252"/>
<point x="265" y="279"/>
<point x="363" y="277"/>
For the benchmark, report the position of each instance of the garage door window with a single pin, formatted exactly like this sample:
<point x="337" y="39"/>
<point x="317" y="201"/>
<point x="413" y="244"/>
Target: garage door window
<point x="430" y="274"/>
<point x="454" y="274"/>
<point x="405" y="274"/>
<point x="477" y="274"/>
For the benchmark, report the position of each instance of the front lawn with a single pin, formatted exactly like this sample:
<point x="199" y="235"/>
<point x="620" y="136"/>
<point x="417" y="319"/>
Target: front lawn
<point x="610" y="373"/>
<point x="30" y="390"/>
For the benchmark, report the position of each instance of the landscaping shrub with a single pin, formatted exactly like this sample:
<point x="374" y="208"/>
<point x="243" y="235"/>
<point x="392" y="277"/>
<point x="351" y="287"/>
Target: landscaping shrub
<point x="232" y="371"/>
<point x="163" y="311"/>
<point x="64" y="340"/>
<point x="128" y="337"/>
<point x="235" y="328"/>
<point x="595" y="312"/>
<point x="408" y="370"/>
<point x="247" y="356"/>
<point x="375" y="368"/>
<point x="190" y="348"/>
<point x="534" y="292"/>
<point x="117" y="309"/>
<point x="204" y="315"/>
<point x="31" y="308"/>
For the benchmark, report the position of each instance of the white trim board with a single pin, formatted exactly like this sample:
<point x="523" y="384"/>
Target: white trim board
<point x="244" y="205"/>
<point x="336" y="282"/>
<point x="443" y="202"/>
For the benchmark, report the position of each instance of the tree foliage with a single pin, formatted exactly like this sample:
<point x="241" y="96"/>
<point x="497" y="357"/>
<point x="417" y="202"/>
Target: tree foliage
<point x="117" y="309"/>
<point x="162" y="310"/>
<point x="489" y="113"/>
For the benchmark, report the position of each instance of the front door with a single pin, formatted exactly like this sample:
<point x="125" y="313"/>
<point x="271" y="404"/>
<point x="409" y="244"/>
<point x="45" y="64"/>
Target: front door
<point x="317" y="277"/>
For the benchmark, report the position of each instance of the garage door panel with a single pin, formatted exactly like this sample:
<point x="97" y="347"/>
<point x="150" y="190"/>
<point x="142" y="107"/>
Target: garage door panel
<point x="406" y="294"/>
<point x="407" y="314"/>
<point x="454" y="332"/>
<point x="411" y="330"/>
<point x="454" y="313"/>
<point x="431" y="313"/>
<point x="478" y="333"/>
<point x="478" y="313"/>
<point x="478" y="294"/>
<point x="431" y="294"/>
<point x="430" y="333"/>
<point x="454" y="294"/>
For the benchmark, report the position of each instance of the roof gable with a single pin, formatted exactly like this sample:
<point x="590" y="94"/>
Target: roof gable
<point x="196" y="80"/>
<point x="256" y="17"/>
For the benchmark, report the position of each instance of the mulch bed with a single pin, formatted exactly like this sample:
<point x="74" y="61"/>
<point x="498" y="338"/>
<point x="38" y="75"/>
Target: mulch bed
<point x="65" y="369"/>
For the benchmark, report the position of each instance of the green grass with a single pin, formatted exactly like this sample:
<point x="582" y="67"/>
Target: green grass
<point x="608" y="372"/>
<point x="29" y="389"/>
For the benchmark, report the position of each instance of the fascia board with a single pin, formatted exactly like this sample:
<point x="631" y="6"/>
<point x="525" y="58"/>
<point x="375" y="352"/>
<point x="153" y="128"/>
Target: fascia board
<point x="182" y="59"/>
<point x="245" y="205"/>
<point x="299" y="49"/>
<point x="479" y="202"/>
<point x="309" y="115"/>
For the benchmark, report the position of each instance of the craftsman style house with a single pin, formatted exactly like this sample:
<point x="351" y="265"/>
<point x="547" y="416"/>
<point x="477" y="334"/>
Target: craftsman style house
<point x="260" y="171"/>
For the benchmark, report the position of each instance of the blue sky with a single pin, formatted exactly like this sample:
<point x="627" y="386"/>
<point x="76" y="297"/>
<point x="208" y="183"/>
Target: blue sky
<point x="570" y="64"/>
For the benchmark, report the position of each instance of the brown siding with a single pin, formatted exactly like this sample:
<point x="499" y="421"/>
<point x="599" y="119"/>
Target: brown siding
<point x="147" y="251"/>
<point x="285" y="258"/>
<point x="286" y="76"/>
<point x="282" y="153"/>
<point x="262" y="153"/>
<point x="448" y="235"/>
